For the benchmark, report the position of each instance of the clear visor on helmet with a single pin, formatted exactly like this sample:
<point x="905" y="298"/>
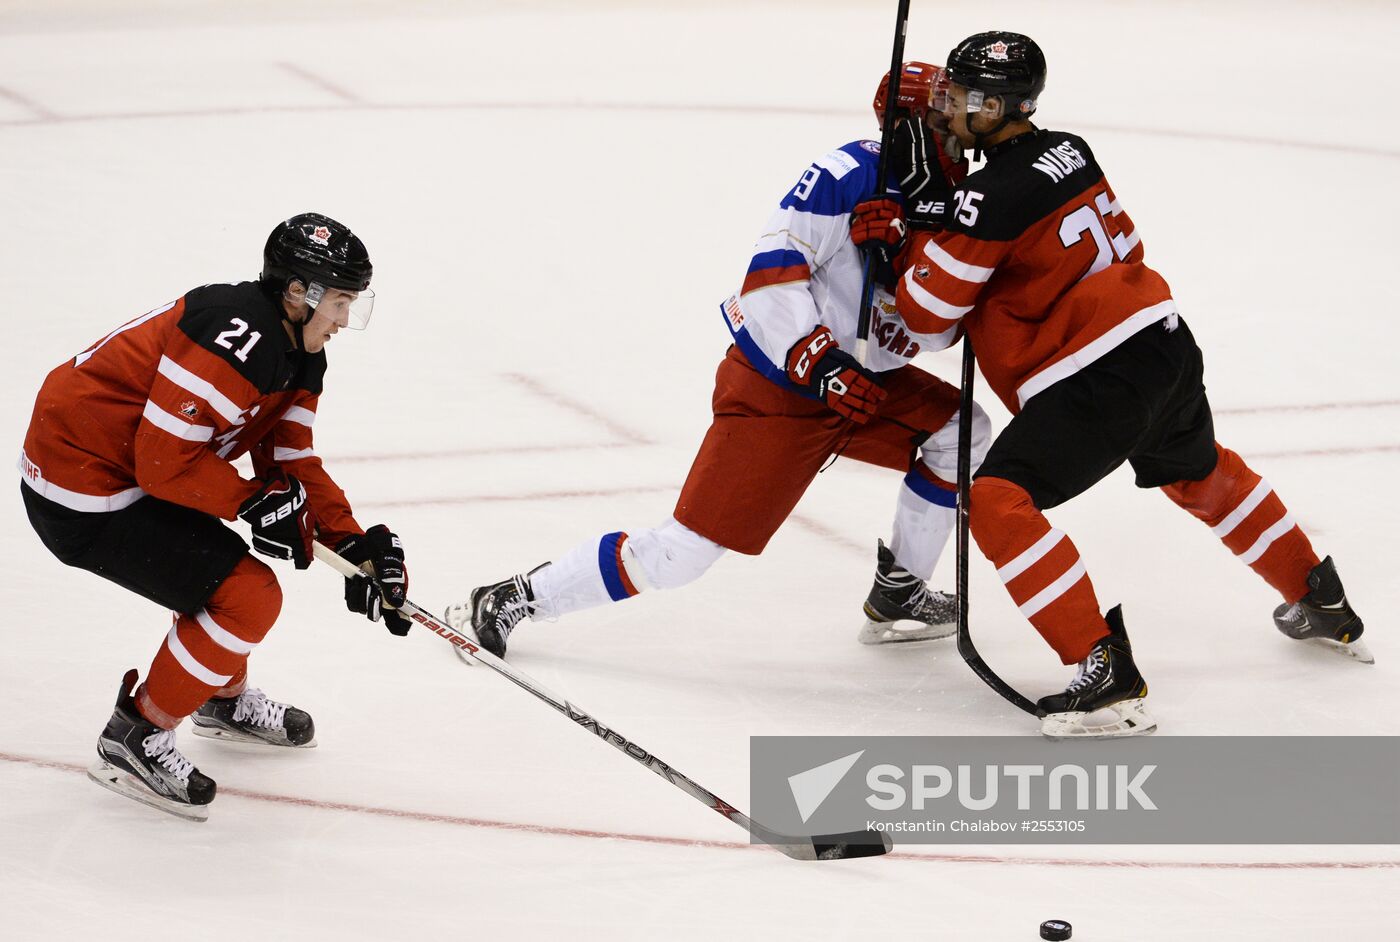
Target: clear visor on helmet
<point x="346" y="308"/>
<point x="952" y="99"/>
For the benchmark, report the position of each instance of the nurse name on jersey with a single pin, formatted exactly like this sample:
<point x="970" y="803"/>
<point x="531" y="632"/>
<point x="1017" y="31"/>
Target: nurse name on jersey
<point x="1060" y="161"/>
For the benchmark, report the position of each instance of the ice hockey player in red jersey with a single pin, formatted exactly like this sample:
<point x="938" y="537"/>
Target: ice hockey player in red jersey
<point x="127" y="473"/>
<point x="1083" y="343"/>
<point x="788" y="395"/>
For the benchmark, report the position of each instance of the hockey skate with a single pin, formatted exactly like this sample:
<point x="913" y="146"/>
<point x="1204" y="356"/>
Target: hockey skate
<point x="901" y="607"/>
<point x="1107" y="679"/>
<point x="252" y="717"/>
<point x="492" y="613"/>
<point x="138" y="759"/>
<point x="1324" y="617"/>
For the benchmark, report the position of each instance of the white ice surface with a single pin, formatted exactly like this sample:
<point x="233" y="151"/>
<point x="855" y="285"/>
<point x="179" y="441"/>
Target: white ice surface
<point x="556" y="196"/>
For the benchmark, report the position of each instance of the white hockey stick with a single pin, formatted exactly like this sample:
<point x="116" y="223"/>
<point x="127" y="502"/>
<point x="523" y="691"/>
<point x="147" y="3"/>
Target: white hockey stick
<point x="818" y="847"/>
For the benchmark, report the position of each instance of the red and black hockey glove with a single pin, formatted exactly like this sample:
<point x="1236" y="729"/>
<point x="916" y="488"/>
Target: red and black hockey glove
<point x="380" y="553"/>
<point x="282" y="521"/>
<point x="830" y="373"/>
<point x="877" y="227"/>
<point x="925" y="173"/>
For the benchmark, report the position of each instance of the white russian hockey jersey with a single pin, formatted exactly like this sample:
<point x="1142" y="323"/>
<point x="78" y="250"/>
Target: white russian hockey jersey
<point x="806" y="271"/>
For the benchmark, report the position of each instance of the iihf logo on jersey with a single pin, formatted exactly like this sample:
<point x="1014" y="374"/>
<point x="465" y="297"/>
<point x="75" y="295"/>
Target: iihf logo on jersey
<point x="189" y="408"/>
<point x="997" y="50"/>
<point x="322" y="236"/>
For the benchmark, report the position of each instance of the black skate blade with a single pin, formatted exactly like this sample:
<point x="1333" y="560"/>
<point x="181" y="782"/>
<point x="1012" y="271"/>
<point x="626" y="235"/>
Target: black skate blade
<point x="128" y="786"/>
<point x="846" y="846"/>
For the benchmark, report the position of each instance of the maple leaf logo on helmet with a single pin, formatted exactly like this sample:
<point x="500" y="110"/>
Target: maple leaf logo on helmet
<point x="322" y="236"/>
<point x="997" y="50"/>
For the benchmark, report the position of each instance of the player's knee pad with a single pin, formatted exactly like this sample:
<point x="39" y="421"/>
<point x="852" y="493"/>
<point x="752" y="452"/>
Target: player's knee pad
<point x="1213" y="497"/>
<point x="248" y="601"/>
<point x="939" y="452"/>
<point x="999" y="512"/>
<point x="668" y="556"/>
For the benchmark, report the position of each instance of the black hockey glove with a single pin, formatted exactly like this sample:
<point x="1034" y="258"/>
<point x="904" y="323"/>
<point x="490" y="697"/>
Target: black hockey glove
<point x="923" y="172"/>
<point x="380" y="553"/>
<point x="282" y="521"/>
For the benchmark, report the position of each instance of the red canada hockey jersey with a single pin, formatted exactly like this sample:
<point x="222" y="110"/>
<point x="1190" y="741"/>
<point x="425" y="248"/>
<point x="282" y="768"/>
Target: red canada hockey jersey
<point x="1039" y="262"/>
<point x="163" y="404"/>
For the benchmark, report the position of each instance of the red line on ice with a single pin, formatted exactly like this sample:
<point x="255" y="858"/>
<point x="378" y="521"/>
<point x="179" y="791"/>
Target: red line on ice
<point x="477" y="452"/>
<point x="523" y="496"/>
<point x="426" y="817"/>
<point x="43" y="114"/>
<point x="326" y="85"/>
<point x="577" y="407"/>
<point x="663" y="108"/>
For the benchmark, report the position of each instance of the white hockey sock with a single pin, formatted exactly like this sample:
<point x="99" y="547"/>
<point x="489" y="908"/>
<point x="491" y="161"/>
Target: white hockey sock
<point x="923" y="519"/>
<point x="616" y="567"/>
<point x="588" y="575"/>
<point x="927" y="511"/>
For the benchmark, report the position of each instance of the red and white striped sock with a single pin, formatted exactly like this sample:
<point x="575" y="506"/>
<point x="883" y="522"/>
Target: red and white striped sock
<point x="1039" y="566"/>
<point x="206" y="653"/>
<point x="1242" y="509"/>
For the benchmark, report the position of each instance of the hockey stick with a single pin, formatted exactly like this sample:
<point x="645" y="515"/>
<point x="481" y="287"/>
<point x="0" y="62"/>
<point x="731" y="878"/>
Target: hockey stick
<point x="818" y="847"/>
<point x="965" y="645"/>
<point x="867" y="287"/>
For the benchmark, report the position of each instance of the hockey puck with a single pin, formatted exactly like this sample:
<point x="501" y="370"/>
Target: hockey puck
<point x="1055" y="929"/>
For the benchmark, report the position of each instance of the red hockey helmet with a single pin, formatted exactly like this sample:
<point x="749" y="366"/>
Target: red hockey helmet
<point x="917" y="81"/>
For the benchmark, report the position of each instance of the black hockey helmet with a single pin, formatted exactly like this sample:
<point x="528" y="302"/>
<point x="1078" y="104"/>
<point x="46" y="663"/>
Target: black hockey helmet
<point x="315" y="249"/>
<point x="1009" y="66"/>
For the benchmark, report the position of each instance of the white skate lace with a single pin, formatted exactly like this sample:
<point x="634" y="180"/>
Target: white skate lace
<point x="254" y="705"/>
<point x="931" y="604"/>
<point x="161" y="747"/>
<point x="921" y="601"/>
<point x="1088" y="674"/>
<point x="517" y="608"/>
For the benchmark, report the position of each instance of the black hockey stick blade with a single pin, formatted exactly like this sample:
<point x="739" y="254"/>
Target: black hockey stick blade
<point x="846" y="846"/>
<point x="851" y="845"/>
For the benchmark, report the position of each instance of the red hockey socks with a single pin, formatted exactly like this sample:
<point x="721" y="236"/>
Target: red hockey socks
<point x="1039" y="566"/>
<point x="206" y="652"/>
<point x="1242" y="509"/>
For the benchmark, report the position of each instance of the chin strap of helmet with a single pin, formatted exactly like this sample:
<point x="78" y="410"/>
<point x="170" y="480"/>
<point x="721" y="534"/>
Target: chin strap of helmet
<point x="298" y="327"/>
<point x="978" y="137"/>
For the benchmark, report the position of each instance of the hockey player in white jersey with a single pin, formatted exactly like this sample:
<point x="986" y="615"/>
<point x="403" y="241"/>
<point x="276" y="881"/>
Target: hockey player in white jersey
<point x="789" y="394"/>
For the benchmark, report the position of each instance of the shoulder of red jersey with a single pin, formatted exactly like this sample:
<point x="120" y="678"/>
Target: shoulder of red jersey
<point x="241" y="325"/>
<point x="1022" y="184"/>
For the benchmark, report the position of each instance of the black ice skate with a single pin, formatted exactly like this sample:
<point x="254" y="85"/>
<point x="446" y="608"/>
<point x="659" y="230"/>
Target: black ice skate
<point x="901" y="607"/>
<point x="138" y="759"/>
<point x="492" y="613"/>
<point x="1107" y="679"/>
<point x="1324" y="616"/>
<point x="252" y="717"/>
